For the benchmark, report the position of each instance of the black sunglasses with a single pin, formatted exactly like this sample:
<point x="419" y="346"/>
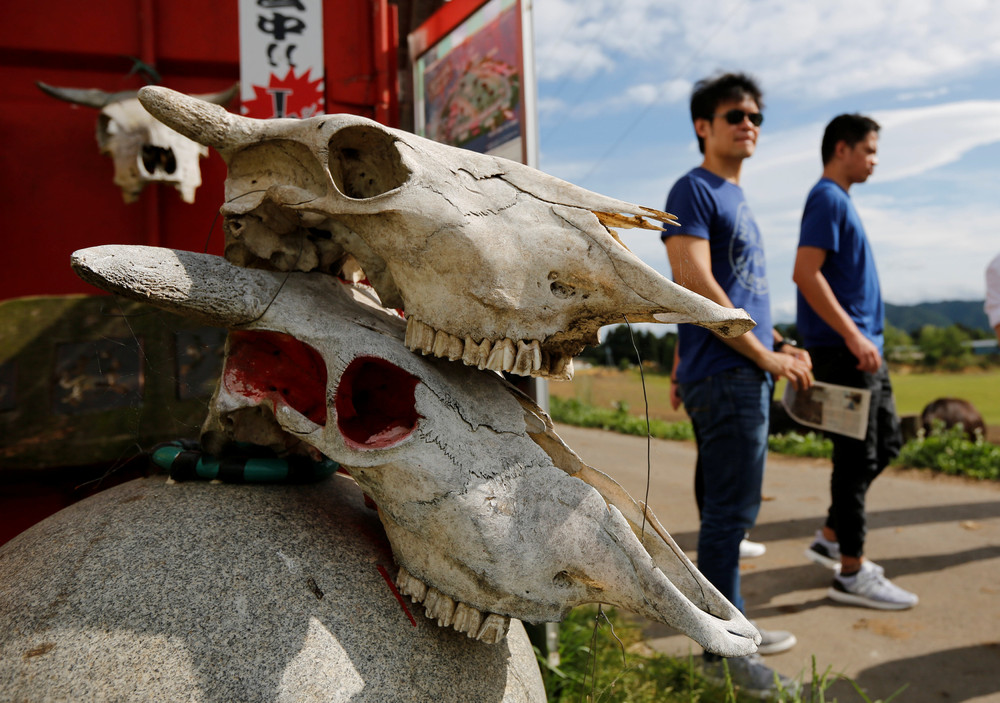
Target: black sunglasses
<point x="737" y="116"/>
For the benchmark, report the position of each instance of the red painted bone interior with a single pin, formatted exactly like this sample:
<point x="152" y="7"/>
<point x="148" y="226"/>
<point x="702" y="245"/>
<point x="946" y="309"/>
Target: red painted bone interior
<point x="277" y="367"/>
<point x="376" y="407"/>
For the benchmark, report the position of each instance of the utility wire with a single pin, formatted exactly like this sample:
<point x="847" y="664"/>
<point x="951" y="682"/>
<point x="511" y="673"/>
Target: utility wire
<point x="692" y="57"/>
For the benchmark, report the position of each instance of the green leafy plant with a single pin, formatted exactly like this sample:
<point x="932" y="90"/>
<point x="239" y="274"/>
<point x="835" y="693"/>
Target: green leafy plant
<point x="810" y="444"/>
<point x="948" y="451"/>
<point x="951" y="452"/>
<point x="603" y="659"/>
<point x="617" y="419"/>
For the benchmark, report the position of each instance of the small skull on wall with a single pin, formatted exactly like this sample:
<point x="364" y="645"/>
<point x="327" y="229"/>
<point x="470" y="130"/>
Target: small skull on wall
<point x="143" y="149"/>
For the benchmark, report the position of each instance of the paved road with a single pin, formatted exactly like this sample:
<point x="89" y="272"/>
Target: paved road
<point x="936" y="536"/>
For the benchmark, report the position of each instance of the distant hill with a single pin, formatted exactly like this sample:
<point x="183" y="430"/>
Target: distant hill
<point x="910" y="318"/>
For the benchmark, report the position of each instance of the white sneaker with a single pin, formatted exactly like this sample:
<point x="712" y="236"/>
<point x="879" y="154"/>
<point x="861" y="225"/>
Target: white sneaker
<point x="871" y="589"/>
<point x="749" y="550"/>
<point x="823" y="551"/>
<point x="774" y="641"/>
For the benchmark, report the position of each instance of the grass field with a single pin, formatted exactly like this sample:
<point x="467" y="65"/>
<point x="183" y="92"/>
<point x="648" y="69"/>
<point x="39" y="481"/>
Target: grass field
<point x="604" y="387"/>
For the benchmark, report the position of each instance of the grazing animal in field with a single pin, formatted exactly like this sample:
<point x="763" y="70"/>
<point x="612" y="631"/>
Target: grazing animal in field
<point x="953" y="411"/>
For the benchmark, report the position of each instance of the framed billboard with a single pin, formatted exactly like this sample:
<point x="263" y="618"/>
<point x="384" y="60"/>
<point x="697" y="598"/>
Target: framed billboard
<point x="473" y="78"/>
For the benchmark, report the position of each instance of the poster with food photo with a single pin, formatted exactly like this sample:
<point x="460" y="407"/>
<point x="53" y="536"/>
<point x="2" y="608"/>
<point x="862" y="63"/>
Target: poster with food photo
<point x="469" y="84"/>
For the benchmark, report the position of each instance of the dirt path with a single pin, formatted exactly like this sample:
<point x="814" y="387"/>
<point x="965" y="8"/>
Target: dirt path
<point x="939" y="537"/>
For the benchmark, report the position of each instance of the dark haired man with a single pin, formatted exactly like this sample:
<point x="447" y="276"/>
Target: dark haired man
<point x="726" y="385"/>
<point x="841" y="320"/>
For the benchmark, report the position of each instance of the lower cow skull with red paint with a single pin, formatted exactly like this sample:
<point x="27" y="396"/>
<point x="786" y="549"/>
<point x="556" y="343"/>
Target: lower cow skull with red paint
<point x="489" y="514"/>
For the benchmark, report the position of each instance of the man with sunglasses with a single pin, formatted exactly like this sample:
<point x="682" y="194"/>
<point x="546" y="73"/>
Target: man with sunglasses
<point x="726" y="384"/>
<point x="841" y="319"/>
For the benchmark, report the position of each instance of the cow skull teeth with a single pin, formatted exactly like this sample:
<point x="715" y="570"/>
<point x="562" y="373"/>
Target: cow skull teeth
<point x="489" y="627"/>
<point x="521" y="357"/>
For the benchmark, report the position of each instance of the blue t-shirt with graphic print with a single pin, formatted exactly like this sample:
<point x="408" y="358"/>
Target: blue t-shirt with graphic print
<point x="712" y="208"/>
<point x="830" y="222"/>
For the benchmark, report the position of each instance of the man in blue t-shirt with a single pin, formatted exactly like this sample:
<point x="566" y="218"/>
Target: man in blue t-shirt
<point x="726" y="384"/>
<point x="840" y="318"/>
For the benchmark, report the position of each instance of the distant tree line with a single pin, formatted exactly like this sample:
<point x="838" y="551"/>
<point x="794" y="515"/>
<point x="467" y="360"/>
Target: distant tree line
<point x="617" y="349"/>
<point x="948" y="348"/>
<point x="930" y="346"/>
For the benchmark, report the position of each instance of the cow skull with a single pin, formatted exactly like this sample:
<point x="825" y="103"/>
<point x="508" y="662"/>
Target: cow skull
<point x="143" y="149"/>
<point x="489" y="514"/>
<point x="495" y="264"/>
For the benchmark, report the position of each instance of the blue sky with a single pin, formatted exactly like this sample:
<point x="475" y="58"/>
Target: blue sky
<point x="614" y="78"/>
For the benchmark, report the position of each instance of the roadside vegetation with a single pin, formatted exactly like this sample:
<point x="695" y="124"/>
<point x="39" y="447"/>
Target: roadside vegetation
<point x="603" y="659"/>
<point x="602" y="654"/>
<point x="944" y="450"/>
<point x="931" y="363"/>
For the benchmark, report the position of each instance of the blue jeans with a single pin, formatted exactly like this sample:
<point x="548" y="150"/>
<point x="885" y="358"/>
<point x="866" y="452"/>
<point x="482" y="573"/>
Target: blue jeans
<point x="729" y="412"/>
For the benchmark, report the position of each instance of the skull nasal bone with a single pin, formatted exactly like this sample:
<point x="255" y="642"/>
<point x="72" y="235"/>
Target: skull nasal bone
<point x="375" y="402"/>
<point x="277" y="367"/>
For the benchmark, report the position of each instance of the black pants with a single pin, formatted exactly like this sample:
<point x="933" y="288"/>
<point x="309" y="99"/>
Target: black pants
<point x="857" y="462"/>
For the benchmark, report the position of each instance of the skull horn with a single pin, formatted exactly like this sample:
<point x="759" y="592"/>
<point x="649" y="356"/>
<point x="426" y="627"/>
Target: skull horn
<point x="91" y="97"/>
<point x="203" y="122"/>
<point x="223" y="97"/>
<point x="195" y="285"/>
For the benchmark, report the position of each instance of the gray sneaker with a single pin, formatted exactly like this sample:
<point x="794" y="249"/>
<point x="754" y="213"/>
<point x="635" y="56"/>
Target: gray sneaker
<point x="749" y="675"/>
<point x="871" y="589"/>
<point x="774" y="641"/>
<point x="823" y="551"/>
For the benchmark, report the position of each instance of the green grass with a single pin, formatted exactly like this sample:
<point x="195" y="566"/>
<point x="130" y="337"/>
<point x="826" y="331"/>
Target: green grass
<point x="950" y="452"/>
<point x="603" y="659"/>
<point x="944" y="451"/>
<point x="606" y="387"/>
<point x="981" y="388"/>
<point x="617" y="419"/>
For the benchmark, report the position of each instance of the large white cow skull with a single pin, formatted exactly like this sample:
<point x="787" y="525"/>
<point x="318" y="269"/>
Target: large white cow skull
<point x="143" y="149"/>
<point x="495" y="264"/>
<point x="490" y="515"/>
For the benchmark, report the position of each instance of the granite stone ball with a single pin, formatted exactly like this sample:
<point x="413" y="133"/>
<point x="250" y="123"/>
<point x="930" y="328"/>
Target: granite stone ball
<point x="157" y="591"/>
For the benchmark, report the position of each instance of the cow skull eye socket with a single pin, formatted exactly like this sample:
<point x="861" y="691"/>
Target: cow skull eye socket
<point x="277" y="367"/>
<point x="365" y="162"/>
<point x="375" y="402"/>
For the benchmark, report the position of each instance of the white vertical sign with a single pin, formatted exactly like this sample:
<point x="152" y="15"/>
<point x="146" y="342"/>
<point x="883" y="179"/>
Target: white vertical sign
<point x="281" y="58"/>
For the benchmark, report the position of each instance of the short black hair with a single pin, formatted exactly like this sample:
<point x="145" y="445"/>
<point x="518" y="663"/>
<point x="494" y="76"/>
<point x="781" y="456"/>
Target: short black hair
<point x="849" y="129"/>
<point x="726" y="87"/>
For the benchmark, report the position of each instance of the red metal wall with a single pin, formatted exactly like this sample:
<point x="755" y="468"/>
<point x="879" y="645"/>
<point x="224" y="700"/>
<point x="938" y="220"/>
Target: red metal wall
<point x="56" y="188"/>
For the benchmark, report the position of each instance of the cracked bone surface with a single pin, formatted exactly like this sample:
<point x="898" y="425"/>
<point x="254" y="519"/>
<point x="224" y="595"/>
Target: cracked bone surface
<point x="496" y="264"/>
<point x="143" y="149"/>
<point x="489" y="514"/>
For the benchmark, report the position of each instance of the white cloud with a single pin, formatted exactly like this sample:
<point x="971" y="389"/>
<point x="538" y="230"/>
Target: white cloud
<point x="925" y="250"/>
<point x="932" y="252"/>
<point x="672" y="91"/>
<point x="915" y="141"/>
<point x="818" y="50"/>
<point x="912" y="142"/>
<point x="909" y="240"/>
<point x="933" y="224"/>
